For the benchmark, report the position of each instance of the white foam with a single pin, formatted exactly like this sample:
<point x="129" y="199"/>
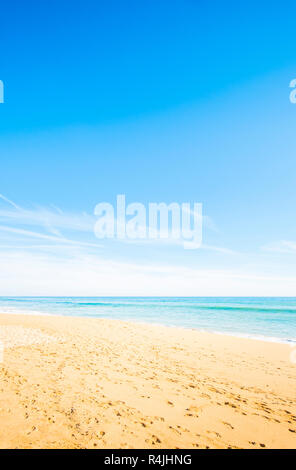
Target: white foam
<point x="17" y="311"/>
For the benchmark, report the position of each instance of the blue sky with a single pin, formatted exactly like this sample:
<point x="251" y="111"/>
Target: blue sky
<point x="161" y="101"/>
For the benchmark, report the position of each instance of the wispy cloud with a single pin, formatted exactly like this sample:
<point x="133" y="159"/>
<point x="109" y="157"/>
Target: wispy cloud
<point x="5" y="199"/>
<point x="52" y="220"/>
<point x="219" y="249"/>
<point x="26" y="273"/>
<point x="47" y="251"/>
<point x="30" y="234"/>
<point x="55" y="225"/>
<point x="282" y="246"/>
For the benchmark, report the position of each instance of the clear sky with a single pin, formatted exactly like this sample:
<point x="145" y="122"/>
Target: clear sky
<point x="161" y="101"/>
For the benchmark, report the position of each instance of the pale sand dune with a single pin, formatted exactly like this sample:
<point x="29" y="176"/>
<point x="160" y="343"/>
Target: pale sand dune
<point x="74" y="382"/>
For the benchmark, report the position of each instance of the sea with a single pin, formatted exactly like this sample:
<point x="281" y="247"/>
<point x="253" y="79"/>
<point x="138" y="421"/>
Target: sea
<point x="265" y="318"/>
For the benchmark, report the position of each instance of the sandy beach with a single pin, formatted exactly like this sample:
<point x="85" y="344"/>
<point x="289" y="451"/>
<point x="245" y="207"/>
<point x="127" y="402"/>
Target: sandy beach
<point x="92" y="383"/>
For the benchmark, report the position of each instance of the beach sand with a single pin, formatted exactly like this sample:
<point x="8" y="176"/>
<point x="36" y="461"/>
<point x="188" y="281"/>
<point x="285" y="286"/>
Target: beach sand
<point x="92" y="383"/>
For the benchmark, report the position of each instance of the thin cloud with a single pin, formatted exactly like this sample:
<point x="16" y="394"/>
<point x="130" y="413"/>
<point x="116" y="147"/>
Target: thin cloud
<point x="10" y="202"/>
<point x="30" y="234"/>
<point x="25" y="273"/>
<point x="282" y="246"/>
<point x="54" y="221"/>
<point x="219" y="249"/>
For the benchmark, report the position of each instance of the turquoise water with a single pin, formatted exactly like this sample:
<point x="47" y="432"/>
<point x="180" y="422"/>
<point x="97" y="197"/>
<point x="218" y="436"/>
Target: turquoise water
<point x="266" y="318"/>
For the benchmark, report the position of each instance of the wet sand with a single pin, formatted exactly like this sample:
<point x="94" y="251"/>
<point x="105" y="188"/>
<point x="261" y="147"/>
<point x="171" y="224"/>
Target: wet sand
<point x="92" y="383"/>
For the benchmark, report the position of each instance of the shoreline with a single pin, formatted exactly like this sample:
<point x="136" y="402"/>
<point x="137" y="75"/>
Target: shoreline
<point x="95" y="383"/>
<point x="266" y="339"/>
